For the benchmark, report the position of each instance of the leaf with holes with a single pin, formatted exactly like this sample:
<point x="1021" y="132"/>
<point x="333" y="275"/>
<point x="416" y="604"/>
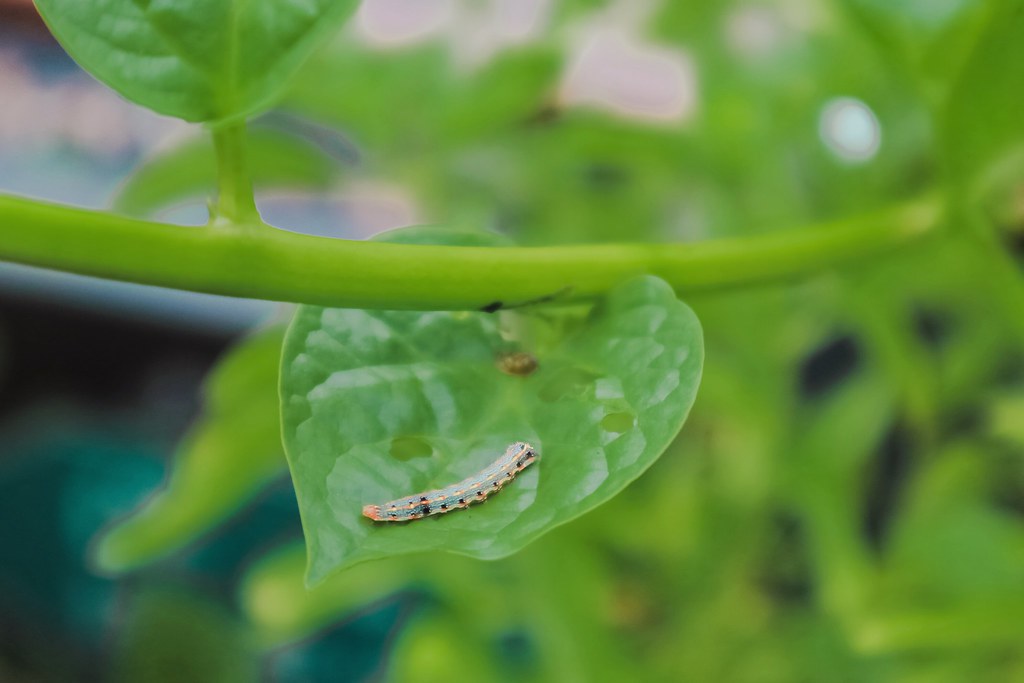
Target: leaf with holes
<point x="199" y="60"/>
<point x="381" y="404"/>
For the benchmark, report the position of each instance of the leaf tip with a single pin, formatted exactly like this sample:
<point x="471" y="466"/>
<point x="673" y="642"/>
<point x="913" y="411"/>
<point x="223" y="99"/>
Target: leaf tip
<point x="111" y="553"/>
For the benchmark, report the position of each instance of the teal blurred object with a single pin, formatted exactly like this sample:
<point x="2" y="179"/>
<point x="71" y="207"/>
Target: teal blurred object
<point x="355" y="650"/>
<point x="55" y="493"/>
<point x="60" y="621"/>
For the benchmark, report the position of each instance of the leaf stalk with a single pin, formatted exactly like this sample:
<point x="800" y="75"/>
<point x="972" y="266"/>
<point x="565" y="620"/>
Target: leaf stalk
<point x="235" y="203"/>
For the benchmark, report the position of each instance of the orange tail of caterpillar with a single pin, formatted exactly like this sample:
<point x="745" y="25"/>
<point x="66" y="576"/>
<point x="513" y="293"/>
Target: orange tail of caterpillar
<point x="517" y="458"/>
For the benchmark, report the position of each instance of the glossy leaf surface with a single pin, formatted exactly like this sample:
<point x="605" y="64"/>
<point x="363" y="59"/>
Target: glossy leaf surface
<point x="381" y="404"/>
<point x="199" y="60"/>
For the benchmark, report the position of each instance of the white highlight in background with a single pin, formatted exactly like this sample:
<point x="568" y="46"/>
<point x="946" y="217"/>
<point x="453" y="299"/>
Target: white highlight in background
<point x="850" y="129"/>
<point x="615" y="71"/>
<point x="398" y="23"/>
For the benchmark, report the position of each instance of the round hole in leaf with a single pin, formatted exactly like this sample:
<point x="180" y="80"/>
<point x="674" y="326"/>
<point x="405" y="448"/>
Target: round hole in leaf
<point x="618" y="423"/>
<point x="409" y="447"/>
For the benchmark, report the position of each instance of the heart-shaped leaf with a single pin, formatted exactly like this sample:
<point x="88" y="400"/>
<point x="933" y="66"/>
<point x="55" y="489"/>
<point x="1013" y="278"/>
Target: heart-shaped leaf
<point x="382" y="404"/>
<point x="199" y="60"/>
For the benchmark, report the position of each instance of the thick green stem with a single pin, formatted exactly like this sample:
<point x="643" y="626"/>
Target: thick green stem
<point x="284" y="266"/>
<point x="235" y="203"/>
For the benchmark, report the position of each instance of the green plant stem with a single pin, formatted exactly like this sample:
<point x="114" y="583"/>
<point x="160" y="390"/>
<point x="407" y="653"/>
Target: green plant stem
<point x="235" y="202"/>
<point x="284" y="266"/>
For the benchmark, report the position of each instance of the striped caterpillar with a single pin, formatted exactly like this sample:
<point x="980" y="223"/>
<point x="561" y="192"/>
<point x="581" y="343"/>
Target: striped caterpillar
<point x="475" y="488"/>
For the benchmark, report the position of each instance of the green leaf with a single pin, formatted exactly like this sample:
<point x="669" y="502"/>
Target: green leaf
<point x="229" y="456"/>
<point x="381" y="404"/>
<point x="931" y="38"/>
<point x="276" y="160"/>
<point x="983" y="118"/>
<point x="825" y="473"/>
<point x="950" y="544"/>
<point x="436" y="644"/>
<point x="275" y="600"/>
<point x="199" y="60"/>
<point x="165" y="635"/>
<point x="417" y="79"/>
<point x="509" y="92"/>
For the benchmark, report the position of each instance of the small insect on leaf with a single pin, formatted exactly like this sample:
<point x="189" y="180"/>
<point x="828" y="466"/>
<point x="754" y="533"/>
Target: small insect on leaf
<point x="517" y="363"/>
<point x="476" y="487"/>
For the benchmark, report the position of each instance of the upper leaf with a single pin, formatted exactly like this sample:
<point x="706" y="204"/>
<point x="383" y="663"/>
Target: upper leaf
<point x="199" y="60"/>
<point x="382" y="404"/>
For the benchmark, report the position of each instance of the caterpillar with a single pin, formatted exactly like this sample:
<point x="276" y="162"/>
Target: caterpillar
<point x="518" y="457"/>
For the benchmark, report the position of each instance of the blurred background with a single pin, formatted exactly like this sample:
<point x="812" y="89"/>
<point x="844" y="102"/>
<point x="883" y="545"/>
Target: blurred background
<point x="844" y="504"/>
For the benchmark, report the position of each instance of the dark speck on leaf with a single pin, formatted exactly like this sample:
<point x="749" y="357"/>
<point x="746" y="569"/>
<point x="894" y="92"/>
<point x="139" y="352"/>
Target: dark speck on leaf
<point x="492" y="307"/>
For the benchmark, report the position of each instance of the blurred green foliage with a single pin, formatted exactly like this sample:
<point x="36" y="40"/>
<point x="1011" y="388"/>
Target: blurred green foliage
<point x="172" y="635"/>
<point x="845" y="502"/>
<point x="229" y="456"/>
<point x="277" y="161"/>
